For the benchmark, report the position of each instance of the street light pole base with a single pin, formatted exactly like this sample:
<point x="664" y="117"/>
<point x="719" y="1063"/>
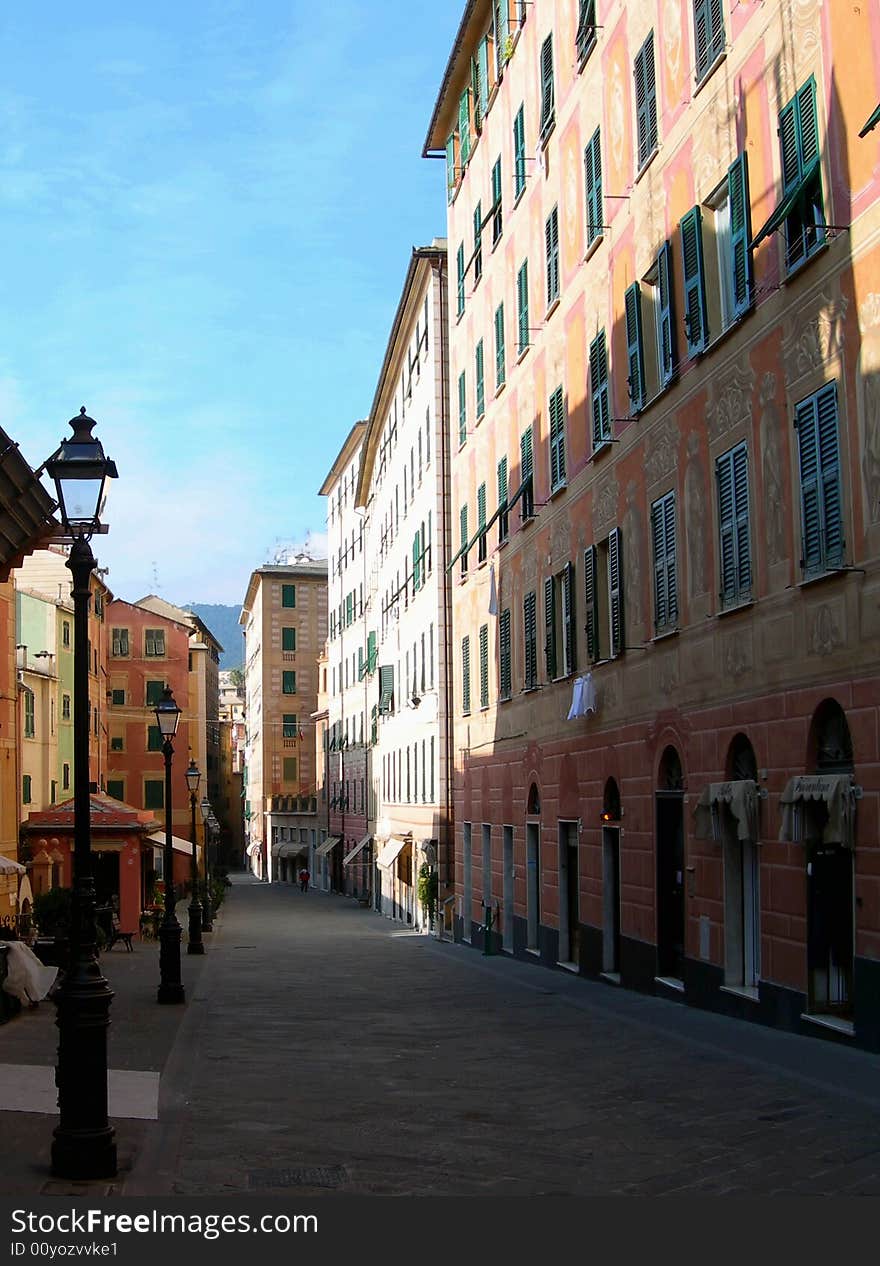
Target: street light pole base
<point x="170" y="984"/>
<point x="171" y="993"/>
<point x="84" y="1154"/>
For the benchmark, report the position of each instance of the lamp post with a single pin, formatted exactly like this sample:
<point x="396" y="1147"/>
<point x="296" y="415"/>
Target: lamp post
<point x="207" y="908"/>
<point x="170" y="984"/>
<point x="195" y="945"/>
<point x="84" y="1143"/>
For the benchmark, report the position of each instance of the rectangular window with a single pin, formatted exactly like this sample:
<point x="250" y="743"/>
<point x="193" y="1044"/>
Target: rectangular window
<point x="65" y="633"/>
<point x="503" y="515"/>
<point x="585" y="37"/>
<point x="497" y="222"/>
<point x="288" y="683"/>
<point x="116" y="788"/>
<point x="599" y="394"/>
<point x="464" y="126"/>
<point x="500" y="368"/>
<point x="557" y="440"/>
<point x="802" y="177"/>
<point x="417" y="562"/>
<point x="708" y="34"/>
<point x="478" y="242"/>
<point x="288" y="638"/>
<point x="603" y="598"/>
<point x="530" y="641"/>
<point x="522" y="307"/>
<point x="29" y="722"/>
<point x="154" y="691"/>
<point x="732" y="475"/>
<point x="559" y="625"/>
<point x="504" y="654"/>
<point x="664" y="316"/>
<point x="821" y="505"/>
<point x="26" y="789"/>
<point x="465" y="675"/>
<point x="462" y="408"/>
<point x="459" y="272"/>
<point x="646" y="101"/>
<point x="595" y="207"/>
<point x="548" y="105"/>
<point x="695" y="321"/>
<point x="451" y="179"/>
<point x="288" y="595"/>
<point x="289" y="769"/>
<point x="635" y="352"/>
<point x="527" y="470"/>
<point x="154" y="793"/>
<point x="119" y="643"/>
<point x="481" y="523"/>
<point x="551" y="244"/>
<point x="386" y="689"/>
<point x="288" y="725"/>
<point x="480" y="381"/>
<point x="154" y="738"/>
<point x="665" y="579"/>
<point x="65" y="704"/>
<point x="519" y="153"/>
<point x="739" y="246"/>
<point x="154" y="643"/>
<point x="65" y="777"/>
<point x="484" y="665"/>
<point x="463" y="530"/>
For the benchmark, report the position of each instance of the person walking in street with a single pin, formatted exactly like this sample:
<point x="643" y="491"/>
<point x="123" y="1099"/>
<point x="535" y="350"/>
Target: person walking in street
<point x="304" y="878"/>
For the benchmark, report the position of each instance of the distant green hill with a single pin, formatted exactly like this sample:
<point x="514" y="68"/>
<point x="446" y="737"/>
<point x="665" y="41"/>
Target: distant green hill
<point x="223" y="623"/>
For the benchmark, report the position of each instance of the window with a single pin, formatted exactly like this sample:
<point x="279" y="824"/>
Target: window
<point x="29" y="723"/>
<point x="119" y="643"/>
<point x="154" y="691"/>
<point x="451" y="184"/>
<point x="729" y="266"/>
<point x="154" y="738"/>
<point x="481" y="523"/>
<point x="503" y="516"/>
<point x="732" y="474"/>
<point x="522" y="307"/>
<point x="386" y="689"/>
<point x="662" y="310"/>
<point x="289" y="769"/>
<point x="551" y="244"/>
<point x="557" y="440"/>
<point x="646" y="101"/>
<point x="635" y="353"/>
<point x="462" y="408"/>
<point x="480" y="81"/>
<point x="530" y="641"/>
<point x="519" y="154"/>
<point x="117" y="698"/>
<point x="478" y="242"/>
<point x="288" y="638"/>
<point x="288" y="683"/>
<point x="288" y="595"/>
<point x="484" y="666"/>
<point x="154" y="793"/>
<point x="417" y="551"/>
<point x="116" y="788"/>
<point x="117" y="743"/>
<point x="504" y="658"/>
<point x="527" y="469"/>
<point x="480" y="383"/>
<point x="65" y="705"/>
<point x="599" y="397"/>
<point x="665" y="583"/>
<point x="559" y="629"/>
<point x="548" y="110"/>
<point x="464" y="126"/>
<point x="65" y="777"/>
<point x="593" y="190"/>
<point x="500" y="374"/>
<point x="497" y="223"/>
<point x="65" y="633"/>
<point x="708" y="34"/>
<point x="463" y="529"/>
<point x="26" y="789"/>
<point x="501" y="27"/>
<point x="154" y="643"/>
<point x="801" y="177"/>
<point x="695" y="322"/>
<point x="465" y="675"/>
<point x="821" y="509"/>
<point x="459" y="268"/>
<point x="585" y="37"/>
<point x="603" y="598"/>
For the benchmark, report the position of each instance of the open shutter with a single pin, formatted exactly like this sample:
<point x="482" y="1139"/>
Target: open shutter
<point x="615" y="592"/>
<point x="504" y="675"/>
<point x="740" y="234"/>
<point x="483" y="64"/>
<point x="464" y="125"/>
<point x="465" y="674"/>
<point x="484" y="665"/>
<point x="829" y="463"/>
<point x="599" y="391"/>
<point x="547" y="102"/>
<point x="500" y="368"/>
<point x="666" y="314"/>
<point x="462" y="408"/>
<point x="593" y="188"/>
<point x="372" y="652"/>
<point x="528" y="473"/>
<point x="519" y="152"/>
<point x="416" y="563"/>
<point x="450" y="167"/>
<point x="585" y="36"/>
<point x="694" y="281"/>
<point x="635" y="358"/>
<point x="522" y="301"/>
<point x="480" y="381"/>
<point x="568" y="629"/>
<point x="463" y="528"/>
<point x="591" y="604"/>
<point x="477" y="94"/>
<point x="550" y="627"/>
<point x="788" y="146"/>
<point x="557" y="439"/>
<point x="502" y="500"/>
<point x="808" y="130"/>
<point x="502" y="32"/>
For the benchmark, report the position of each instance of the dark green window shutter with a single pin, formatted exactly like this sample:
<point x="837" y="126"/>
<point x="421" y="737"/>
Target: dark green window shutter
<point x="483" y="62"/>
<point x="481" y="523"/>
<point x="362" y="664"/>
<point x="464" y="125"/>
<point x="551" y="244"/>
<point x="459" y="269"/>
<point x="288" y="595"/>
<point x="288" y="638"/>
<point x="416" y="562"/>
<point x="821" y="508"/>
<point x="601" y="407"/>
<point x="522" y="307"/>
<point x="478" y="242"/>
<point x="502" y="32"/>
<point x="708" y="33"/>
<point x="288" y="683"/>
<point x="733" y="521"/>
<point x="462" y="408"/>
<point x="154" y="793"/>
<point x="500" y="367"/>
<point x="519" y="153"/>
<point x="463" y="528"/>
<point x="154" y="692"/>
<point x="386" y="688"/>
<point x="530" y="608"/>
<point x="665" y="578"/>
<point x="372" y="652"/>
<point x="465" y="674"/>
<point x="646" y="100"/>
<point x="666" y="317"/>
<point x="593" y="187"/>
<point x="634" y="347"/>
<point x="548" y="113"/>
<point x="450" y="167"/>
<point x="477" y="94"/>
<point x="481" y="386"/>
<point x="116" y="788"/>
<point x="591" y="604"/>
<point x="808" y="128"/>
<point x="615" y="591"/>
<point x="569" y="636"/>
<point x="503" y="521"/>
<point x="497" y="223"/>
<point x="740" y="234"/>
<point x="484" y="665"/>
<point x="557" y="440"/>
<point x="550" y="627"/>
<point x="504" y="673"/>
<point x="585" y="37"/>
<point x="527" y="470"/>
<point x="154" y="738"/>
<point x="694" y="281"/>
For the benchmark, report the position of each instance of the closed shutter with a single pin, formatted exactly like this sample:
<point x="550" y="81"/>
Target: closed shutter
<point x="635" y="357"/>
<point x="372" y="652"/>
<point x="484" y="665"/>
<point x="550" y="627"/>
<point x="557" y="439"/>
<point x="569" y="637"/>
<point x="829" y="461"/>
<point x="615" y="592"/>
<point x="483" y="58"/>
<point x="459" y="271"/>
<point x="462" y="408"/>
<point x="599" y="391"/>
<point x="519" y="153"/>
<point x="504" y="673"/>
<point x="646" y="100"/>
<point x="522" y="304"/>
<point x="465" y="674"/>
<point x="733" y="517"/>
<point x="464" y="125"/>
<point x="708" y="32"/>
<point x="665" y="576"/>
<point x="593" y="189"/>
<point x="547" y="102"/>
<point x="463" y="528"/>
<point x="502" y="500"/>
<point x="530" y="640"/>
<point x="502" y="32"/>
<point x="740" y="234"/>
<point x="500" y="368"/>
<point x="416" y="563"/>
<point x="478" y="242"/>
<point x="807" y="126"/>
<point x="496" y="201"/>
<point x="694" y="281"/>
<point x="477" y="93"/>
<point x="816" y="421"/>
<point x="551" y="244"/>
<point x="585" y="38"/>
<point x="666" y="316"/>
<point x="481" y="522"/>
<point x="480" y="382"/>
<point x="591" y="604"/>
<point x="528" y="473"/>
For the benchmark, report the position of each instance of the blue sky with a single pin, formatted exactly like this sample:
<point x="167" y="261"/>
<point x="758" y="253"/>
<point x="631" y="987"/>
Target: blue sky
<point x="208" y="210"/>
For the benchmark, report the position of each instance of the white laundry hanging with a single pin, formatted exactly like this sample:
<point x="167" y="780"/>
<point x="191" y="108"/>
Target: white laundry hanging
<point x="493" y="591"/>
<point x="583" y="697"/>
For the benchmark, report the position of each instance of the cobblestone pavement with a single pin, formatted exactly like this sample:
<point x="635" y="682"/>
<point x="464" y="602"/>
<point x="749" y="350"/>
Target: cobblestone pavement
<point x="325" y="1049"/>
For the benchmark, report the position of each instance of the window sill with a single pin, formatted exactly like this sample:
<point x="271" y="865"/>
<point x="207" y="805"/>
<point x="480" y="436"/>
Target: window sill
<point x="523" y="354"/>
<point x="663" y="634"/>
<point x="530" y="950"/>
<point x="554" y="492"/>
<point x="836" y="1023"/>
<point x="568" y="965"/>
<point x="504" y="698"/>
<point x="594" y="246"/>
<point x="552" y="308"/>
<point x="484" y="707"/>
<point x="742" y="605"/>
<point x="547" y="131"/>
<point x="646" y="164"/>
<point x="709" y="72"/>
<point x="526" y="520"/>
<point x="603" y="447"/>
<point x="584" y="57"/>
<point x="819" y="249"/>
<point x="530" y="690"/>
<point x="499" y="388"/>
<point x="820" y="576"/>
<point x="742" y="991"/>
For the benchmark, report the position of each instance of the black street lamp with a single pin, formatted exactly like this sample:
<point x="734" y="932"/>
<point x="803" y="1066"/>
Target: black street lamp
<point x="84" y="1144"/>
<point x="195" y="944"/>
<point x="170" y="984"/>
<point x="207" y="908"/>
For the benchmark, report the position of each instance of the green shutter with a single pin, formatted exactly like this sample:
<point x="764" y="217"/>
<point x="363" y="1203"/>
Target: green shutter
<point x="372" y="652"/>
<point x="477" y="93"/>
<point x="530" y="640"/>
<point x="694" y="281"/>
<point x="593" y="189"/>
<point x="527" y="471"/>
<point x="550" y="627"/>
<point x="740" y="234"/>
<point x="500" y="367"/>
<point x="462" y="408"/>
<point x="547" y="102"/>
<point x="464" y="125"/>
<point x="557" y="440"/>
<point x="667" y="315"/>
<point x="497" y="222"/>
<point x="502" y="31"/>
<point x="288" y="638"/>
<point x="478" y="242"/>
<point x="634" y="348"/>
<point x="504" y="673"/>
<point x="569" y="635"/>
<point x="450" y="167"/>
<point x="502" y="500"/>
<point x="599" y="391"/>
<point x="615" y="591"/>
<point x="551" y="245"/>
<point x="481" y="523"/>
<point x="585" y="37"/>
<point x="463" y="527"/>
<point x="591" y="603"/>
<point x="480" y="383"/>
<point x="665" y="578"/>
<point x="484" y="666"/>
<point x="821" y="511"/>
<point x="465" y="674"/>
<point x="416" y="563"/>
<point x="459" y="269"/>
<point x="646" y="100"/>
<point x="708" y="33"/>
<point x="519" y="153"/>
<point x="483" y="59"/>
<point x="522" y="304"/>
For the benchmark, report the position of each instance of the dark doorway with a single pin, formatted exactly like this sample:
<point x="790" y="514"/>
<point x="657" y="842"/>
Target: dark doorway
<point x="569" y="896"/>
<point x="611" y="899"/>
<point x="670" y="867"/>
<point x="105" y="868"/>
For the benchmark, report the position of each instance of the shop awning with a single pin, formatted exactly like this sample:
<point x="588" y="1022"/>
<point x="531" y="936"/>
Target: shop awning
<point x="292" y="849"/>
<point x="786" y="206"/>
<point x="349" y="857"/>
<point x="741" y="798"/>
<point x="835" y="791"/>
<point x="157" y="839"/>
<point x="390" y="852"/>
<point x="327" y="847"/>
<point x="253" y="848"/>
<point x="9" y="867"/>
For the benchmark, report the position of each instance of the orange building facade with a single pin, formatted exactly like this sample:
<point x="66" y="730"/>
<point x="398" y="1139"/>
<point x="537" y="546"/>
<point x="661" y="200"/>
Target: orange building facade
<point x="664" y="244"/>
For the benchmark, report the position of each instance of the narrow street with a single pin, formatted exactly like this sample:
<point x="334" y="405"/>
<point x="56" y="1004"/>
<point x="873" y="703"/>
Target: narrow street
<point x="326" y="1049"/>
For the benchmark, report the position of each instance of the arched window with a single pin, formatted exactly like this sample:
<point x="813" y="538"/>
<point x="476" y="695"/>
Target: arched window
<point x="534" y="802"/>
<point x="742" y="763"/>
<point x="831" y="743"/>
<point x="611" y="802"/>
<point x="671" y="777"/>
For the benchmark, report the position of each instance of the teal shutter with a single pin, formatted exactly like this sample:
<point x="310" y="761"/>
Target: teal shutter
<point x="665" y="577"/>
<point x="666" y="333"/>
<point x="733" y="520"/>
<point x="478" y="242"/>
<point x="464" y="126"/>
<point x="497" y="222"/>
<point x="694" y="281"/>
<point x="465" y="674"/>
<point x="593" y="189"/>
<point x="557" y="439"/>
<point x="821" y="510"/>
<point x="551" y="244"/>
<point x="530" y="640"/>
<point x="504" y="665"/>
<point x="591" y="604"/>
<point x="585" y="37"/>
<point x="500" y="368"/>
<point x="550" y="627"/>
<point x="522" y="307"/>
<point x="372" y="653"/>
<point x="462" y="408"/>
<point x="548" y="113"/>
<point x="708" y="33"/>
<point x="646" y="100"/>
<point x="481" y="393"/>
<point x="634" y="348"/>
<point x="450" y="167"/>
<point x="519" y="153"/>
<point x="502" y="32"/>
<point x="502" y="500"/>
<point x="527" y="469"/>
<point x="599" y="391"/>
<point x="569" y="637"/>
<point x="484" y="665"/>
<point x="459" y="269"/>
<point x="829" y="461"/>
<point x="463" y="527"/>
<point x="477" y="93"/>
<point x="483" y="57"/>
<point x="481" y="523"/>
<point x="416" y="563"/>
<point x="615" y="592"/>
<point x="740" y="234"/>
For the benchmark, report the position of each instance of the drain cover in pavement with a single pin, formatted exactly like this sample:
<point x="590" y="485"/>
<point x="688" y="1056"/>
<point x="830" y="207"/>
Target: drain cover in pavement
<point x="318" y="1176"/>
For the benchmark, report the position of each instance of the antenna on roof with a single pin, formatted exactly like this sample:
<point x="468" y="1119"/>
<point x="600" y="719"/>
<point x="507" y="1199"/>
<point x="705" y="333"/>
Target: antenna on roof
<point x="156" y="585"/>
